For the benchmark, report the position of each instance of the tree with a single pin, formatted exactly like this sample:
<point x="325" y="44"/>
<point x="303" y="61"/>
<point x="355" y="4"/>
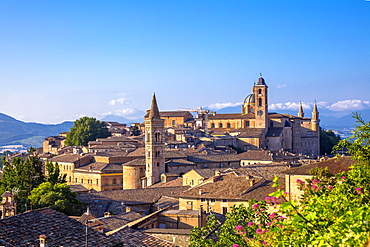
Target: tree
<point x="328" y="139"/>
<point x="135" y="131"/>
<point x="84" y="130"/>
<point x="53" y="173"/>
<point x="57" y="196"/>
<point x="24" y="174"/>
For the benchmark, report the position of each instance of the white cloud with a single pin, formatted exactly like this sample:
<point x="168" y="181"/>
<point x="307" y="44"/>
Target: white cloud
<point x="344" y="105"/>
<point x="352" y="105"/>
<point x="217" y="106"/>
<point x="288" y="106"/>
<point x="281" y="86"/>
<point x="130" y="113"/>
<point x="122" y="101"/>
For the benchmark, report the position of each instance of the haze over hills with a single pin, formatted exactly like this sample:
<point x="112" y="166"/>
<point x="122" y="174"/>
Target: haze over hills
<point x="13" y="131"/>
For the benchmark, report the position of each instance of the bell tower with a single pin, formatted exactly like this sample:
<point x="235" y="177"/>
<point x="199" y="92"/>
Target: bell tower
<point x="261" y="104"/>
<point x="154" y="145"/>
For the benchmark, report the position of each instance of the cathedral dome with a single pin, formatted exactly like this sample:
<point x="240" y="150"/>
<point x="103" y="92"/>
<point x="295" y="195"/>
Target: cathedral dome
<point x="249" y="99"/>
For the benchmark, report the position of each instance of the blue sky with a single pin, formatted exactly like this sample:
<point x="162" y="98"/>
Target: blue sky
<point x="60" y="60"/>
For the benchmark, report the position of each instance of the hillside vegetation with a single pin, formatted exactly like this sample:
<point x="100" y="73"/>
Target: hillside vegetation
<point x="13" y="131"/>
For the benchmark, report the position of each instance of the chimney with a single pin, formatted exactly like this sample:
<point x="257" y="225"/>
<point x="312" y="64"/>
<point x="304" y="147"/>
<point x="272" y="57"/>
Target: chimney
<point x="251" y="182"/>
<point x="106" y="214"/>
<point x="217" y="173"/>
<point x="128" y="209"/>
<point x="200" y="191"/>
<point x="247" y="177"/>
<point x="43" y="241"/>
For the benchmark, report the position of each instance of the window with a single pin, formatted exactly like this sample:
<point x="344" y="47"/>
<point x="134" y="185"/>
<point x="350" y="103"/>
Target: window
<point x="203" y="199"/>
<point x="213" y="200"/>
<point x="82" y="180"/>
<point x="212" y="125"/>
<point x="259" y="91"/>
<point x="97" y="181"/>
<point x="259" y="101"/>
<point x="114" y="181"/>
<point x="246" y="124"/>
<point x="224" y="200"/>
<point x="228" y="125"/>
<point x="205" y="165"/>
<point x="76" y="180"/>
<point x="220" y="125"/>
<point x="157" y="136"/>
<point x="173" y="122"/>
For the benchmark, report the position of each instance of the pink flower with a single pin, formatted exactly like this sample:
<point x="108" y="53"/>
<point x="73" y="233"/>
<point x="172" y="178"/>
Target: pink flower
<point x="263" y="242"/>
<point x="259" y="231"/>
<point x="359" y="191"/>
<point x="236" y="245"/>
<point x="239" y="228"/>
<point x="272" y="215"/>
<point x="330" y="187"/>
<point x="255" y="206"/>
<point x="343" y="178"/>
<point x="250" y="223"/>
<point x="315" y="181"/>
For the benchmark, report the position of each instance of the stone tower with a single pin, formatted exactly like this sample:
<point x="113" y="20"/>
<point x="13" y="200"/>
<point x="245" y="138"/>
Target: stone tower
<point x="315" y="118"/>
<point x="154" y="145"/>
<point x="315" y="123"/>
<point x="261" y="104"/>
<point x="300" y="112"/>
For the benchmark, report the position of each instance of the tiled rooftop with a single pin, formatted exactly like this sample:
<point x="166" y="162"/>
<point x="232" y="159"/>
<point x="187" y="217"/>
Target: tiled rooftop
<point x="335" y="165"/>
<point x="213" y="158"/>
<point x="232" y="187"/>
<point x="131" y="237"/>
<point x="256" y="155"/>
<point x="105" y="201"/>
<point x="24" y="230"/>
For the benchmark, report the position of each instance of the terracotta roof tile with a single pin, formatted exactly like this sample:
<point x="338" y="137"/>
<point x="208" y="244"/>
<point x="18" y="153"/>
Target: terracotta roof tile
<point x="335" y="165"/>
<point x="256" y="155"/>
<point x="131" y="237"/>
<point x="24" y="230"/>
<point x="232" y="187"/>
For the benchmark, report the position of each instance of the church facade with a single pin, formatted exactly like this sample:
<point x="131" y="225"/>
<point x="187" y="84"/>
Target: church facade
<point x="257" y="128"/>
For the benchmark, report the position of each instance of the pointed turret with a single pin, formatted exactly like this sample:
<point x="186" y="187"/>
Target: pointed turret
<point x="315" y="118"/>
<point x="315" y="112"/>
<point x="300" y="112"/>
<point x="154" y="112"/>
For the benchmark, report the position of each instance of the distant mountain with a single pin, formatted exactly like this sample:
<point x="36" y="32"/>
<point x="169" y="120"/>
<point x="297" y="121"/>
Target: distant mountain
<point x="13" y="131"/>
<point x="113" y="118"/>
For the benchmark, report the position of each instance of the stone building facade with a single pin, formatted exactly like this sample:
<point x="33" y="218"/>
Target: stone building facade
<point x="256" y="128"/>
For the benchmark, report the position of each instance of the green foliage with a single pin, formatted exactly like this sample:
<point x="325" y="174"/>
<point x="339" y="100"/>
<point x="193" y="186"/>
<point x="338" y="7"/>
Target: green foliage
<point x="333" y="211"/>
<point x="241" y="220"/>
<point x="328" y="139"/>
<point x="53" y="173"/>
<point x="23" y="175"/>
<point x="358" y="144"/>
<point x="135" y="131"/>
<point x="57" y="196"/>
<point x="86" y="129"/>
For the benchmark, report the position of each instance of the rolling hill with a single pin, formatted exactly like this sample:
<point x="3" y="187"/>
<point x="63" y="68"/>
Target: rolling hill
<point x="13" y="131"/>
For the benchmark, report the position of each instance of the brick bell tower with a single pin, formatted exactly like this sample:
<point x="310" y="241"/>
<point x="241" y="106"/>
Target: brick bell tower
<point x="261" y="104"/>
<point x="154" y="145"/>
